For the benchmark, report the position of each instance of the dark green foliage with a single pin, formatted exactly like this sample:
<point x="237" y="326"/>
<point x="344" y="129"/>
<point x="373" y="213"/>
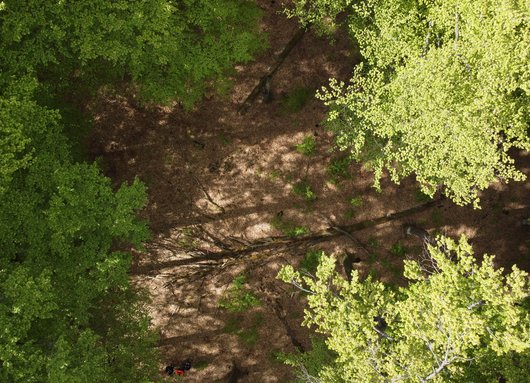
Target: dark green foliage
<point x="303" y="189"/>
<point x="296" y="100"/>
<point x="437" y="218"/>
<point x="67" y="311"/>
<point x="421" y="197"/>
<point x="248" y="336"/>
<point x="200" y="364"/>
<point x="309" y="363"/>
<point x="232" y="326"/>
<point x="276" y="356"/>
<point x="311" y="260"/>
<point x="338" y="169"/>
<point x="398" y="249"/>
<point x="168" y="49"/>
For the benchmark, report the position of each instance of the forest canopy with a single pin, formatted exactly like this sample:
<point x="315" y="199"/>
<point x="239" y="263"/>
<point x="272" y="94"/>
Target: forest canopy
<point x="168" y="50"/>
<point x="443" y="92"/>
<point x="68" y="312"/>
<point x="457" y="320"/>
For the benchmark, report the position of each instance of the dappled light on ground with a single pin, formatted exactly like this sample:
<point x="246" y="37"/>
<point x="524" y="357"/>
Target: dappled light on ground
<point x="219" y="182"/>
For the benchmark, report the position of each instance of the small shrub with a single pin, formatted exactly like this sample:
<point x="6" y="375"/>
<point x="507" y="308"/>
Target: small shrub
<point x="356" y="201"/>
<point x="275" y="356"/>
<point x="338" y="169"/>
<point x="250" y="336"/>
<point x="372" y="258"/>
<point x="296" y="100"/>
<point x="223" y="85"/>
<point x="288" y="228"/>
<point x="274" y="174"/>
<point x="232" y="326"/>
<point x="373" y="242"/>
<point x="187" y="239"/>
<point x="303" y="189"/>
<point x="297" y="231"/>
<point x="238" y="298"/>
<point x="307" y="147"/>
<point x="398" y="250"/>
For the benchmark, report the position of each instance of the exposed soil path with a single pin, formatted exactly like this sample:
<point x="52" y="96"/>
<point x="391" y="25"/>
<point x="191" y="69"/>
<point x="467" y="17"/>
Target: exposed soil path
<point x="221" y="182"/>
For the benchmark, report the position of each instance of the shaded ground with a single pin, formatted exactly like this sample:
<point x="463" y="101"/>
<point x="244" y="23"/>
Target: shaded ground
<point x="218" y="180"/>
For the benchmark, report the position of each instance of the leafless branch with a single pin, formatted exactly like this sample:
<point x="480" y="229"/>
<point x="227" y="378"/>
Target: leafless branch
<point x="456" y="29"/>
<point x="426" y="46"/>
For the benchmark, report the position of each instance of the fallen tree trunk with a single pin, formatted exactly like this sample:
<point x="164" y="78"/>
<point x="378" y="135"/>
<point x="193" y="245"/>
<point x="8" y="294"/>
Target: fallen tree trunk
<point x="258" y="89"/>
<point x="331" y="232"/>
<point x="283" y="243"/>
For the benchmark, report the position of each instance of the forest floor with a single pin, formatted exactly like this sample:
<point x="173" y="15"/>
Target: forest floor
<point x="219" y="181"/>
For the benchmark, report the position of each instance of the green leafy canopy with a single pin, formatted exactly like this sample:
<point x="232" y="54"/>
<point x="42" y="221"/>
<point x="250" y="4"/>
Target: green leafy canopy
<point x="61" y="224"/>
<point x="463" y="322"/>
<point x="170" y="50"/>
<point x="443" y="93"/>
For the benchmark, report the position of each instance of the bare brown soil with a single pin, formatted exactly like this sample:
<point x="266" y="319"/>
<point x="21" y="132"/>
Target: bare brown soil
<point x="218" y="180"/>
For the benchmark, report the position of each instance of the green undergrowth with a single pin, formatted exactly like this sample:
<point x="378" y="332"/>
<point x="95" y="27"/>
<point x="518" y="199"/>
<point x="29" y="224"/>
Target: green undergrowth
<point x="288" y="227"/>
<point x="307" y="146"/>
<point x="200" y="364"/>
<point x="304" y="190"/>
<point x="313" y="361"/>
<point x="250" y="335"/>
<point x="338" y="169"/>
<point x="311" y="260"/>
<point x="398" y="249"/>
<point x="437" y="218"/>
<point x="237" y="297"/>
<point x="354" y="203"/>
<point x="421" y="197"/>
<point x="295" y="100"/>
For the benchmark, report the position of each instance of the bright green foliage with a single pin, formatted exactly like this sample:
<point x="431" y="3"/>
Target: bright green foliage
<point x="320" y="13"/>
<point x="303" y="189"/>
<point x="237" y="297"/>
<point x="444" y="92"/>
<point x="67" y="312"/>
<point x="288" y="227"/>
<point x="356" y="201"/>
<point x="307" y="146"/>
<point x="167" y="48"/>
<point x="464" y="322"/>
